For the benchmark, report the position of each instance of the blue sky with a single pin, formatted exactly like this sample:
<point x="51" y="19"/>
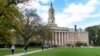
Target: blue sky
<point x="83" y="13"/>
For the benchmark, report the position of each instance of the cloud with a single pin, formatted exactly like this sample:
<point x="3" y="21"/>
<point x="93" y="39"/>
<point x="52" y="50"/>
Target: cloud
<point x="46" y="1"/>
<point x="71" y="13"/>
<point x="75" y="13"/>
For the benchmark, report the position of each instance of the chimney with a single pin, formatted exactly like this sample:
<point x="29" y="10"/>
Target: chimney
<point x="75" y="28"/>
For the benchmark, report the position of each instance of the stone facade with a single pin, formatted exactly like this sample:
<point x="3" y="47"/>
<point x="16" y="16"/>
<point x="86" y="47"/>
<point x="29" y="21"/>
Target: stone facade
<point x="63" y="36"/>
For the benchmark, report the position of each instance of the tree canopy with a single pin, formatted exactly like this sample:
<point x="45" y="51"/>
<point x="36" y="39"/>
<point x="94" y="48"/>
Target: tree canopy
<point x="94" y="34"/>
<point x="13" y="23"/>
<point x="9" y="16"/>
<point x="9" y="19"/>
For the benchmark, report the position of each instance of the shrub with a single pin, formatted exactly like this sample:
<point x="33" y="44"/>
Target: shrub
<point x="69" y="45"/>
<point x="55" y="46"/>
<point x="80" y="44"/>
<point x="35" y="44"/>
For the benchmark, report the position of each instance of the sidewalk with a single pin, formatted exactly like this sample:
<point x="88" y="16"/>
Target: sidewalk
<point x="20" y="54"/>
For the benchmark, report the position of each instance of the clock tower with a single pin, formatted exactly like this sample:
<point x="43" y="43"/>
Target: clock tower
<point x="51" y="18"/>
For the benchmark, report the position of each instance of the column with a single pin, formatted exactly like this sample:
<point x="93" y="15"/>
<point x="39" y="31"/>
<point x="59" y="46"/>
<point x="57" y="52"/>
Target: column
<point x="55" y="38"/>
<point x="52" y="38"/>
<point x="62" y="38"/>
<point x="67" y="37"/>
<point x="59" y="38"/>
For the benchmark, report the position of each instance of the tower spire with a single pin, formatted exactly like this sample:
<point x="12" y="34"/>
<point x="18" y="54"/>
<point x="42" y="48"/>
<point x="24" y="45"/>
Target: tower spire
<point x="51" y="4"/>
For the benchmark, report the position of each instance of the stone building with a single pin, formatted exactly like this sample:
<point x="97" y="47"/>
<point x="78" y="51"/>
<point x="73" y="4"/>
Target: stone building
<point x="63" y="36"/>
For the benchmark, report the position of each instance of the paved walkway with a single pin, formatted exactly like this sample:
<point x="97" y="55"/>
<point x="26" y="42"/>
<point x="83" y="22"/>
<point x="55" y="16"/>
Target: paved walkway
<point x="20" y="54"/>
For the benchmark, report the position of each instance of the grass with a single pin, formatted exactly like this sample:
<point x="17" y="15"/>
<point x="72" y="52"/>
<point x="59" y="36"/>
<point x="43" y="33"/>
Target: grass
<point x="6" y="51"/>
<point x="69" y="52"/>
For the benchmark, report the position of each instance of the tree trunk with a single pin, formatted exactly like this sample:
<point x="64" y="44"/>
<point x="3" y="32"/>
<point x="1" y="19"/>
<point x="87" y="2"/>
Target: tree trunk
<point x="25" y="42"/>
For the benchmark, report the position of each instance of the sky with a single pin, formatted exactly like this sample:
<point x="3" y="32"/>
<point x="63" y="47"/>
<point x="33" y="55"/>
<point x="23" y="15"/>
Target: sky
<point x="83" y="13"/>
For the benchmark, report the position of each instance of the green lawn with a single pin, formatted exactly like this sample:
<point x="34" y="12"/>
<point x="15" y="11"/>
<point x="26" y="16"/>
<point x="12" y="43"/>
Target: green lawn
<point x="6" y="51"/>
<point x="69" y="52"/>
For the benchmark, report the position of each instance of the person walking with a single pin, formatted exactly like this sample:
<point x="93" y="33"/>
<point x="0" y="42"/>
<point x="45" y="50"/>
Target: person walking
<point x="25" y="49"/>
<point x="13" y="49"/>
<point x="42" y="47"/>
